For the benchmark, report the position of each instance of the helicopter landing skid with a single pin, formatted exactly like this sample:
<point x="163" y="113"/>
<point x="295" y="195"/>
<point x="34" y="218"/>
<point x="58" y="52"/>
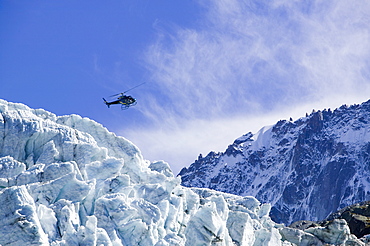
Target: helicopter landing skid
<point x="126" y="106"/>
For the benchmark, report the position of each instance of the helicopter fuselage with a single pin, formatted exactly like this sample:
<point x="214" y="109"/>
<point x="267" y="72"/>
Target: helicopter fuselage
<point x="125" y="101"/>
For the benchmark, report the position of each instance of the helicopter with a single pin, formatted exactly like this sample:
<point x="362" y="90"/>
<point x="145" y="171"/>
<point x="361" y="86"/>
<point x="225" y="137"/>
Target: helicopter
<point x="125" y="100"/>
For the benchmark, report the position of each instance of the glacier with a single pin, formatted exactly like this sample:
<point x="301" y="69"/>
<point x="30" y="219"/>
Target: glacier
<point x="67" y="180"/>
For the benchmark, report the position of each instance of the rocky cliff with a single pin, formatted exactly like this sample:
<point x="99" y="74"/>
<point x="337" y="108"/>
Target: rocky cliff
<point x="306" y="168"/>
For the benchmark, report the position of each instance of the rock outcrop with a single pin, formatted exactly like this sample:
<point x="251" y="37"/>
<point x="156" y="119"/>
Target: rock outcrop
<point x="307" y="169"/>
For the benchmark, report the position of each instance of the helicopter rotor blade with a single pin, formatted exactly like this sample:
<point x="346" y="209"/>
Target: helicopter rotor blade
<point x="122" y="93"/>
<point x="117" y="94"/>
<point x="134" y="87"/>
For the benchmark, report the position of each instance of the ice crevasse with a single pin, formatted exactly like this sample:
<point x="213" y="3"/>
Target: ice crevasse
<point x="67" y="180"/>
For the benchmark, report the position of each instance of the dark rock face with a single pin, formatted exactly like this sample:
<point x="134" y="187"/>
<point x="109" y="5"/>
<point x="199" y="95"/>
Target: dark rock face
<point x="306" y="169"/>
<point x="357" y="217"/>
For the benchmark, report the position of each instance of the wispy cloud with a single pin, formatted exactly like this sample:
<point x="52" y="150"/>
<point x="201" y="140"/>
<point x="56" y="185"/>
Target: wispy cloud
<point x="251" y="57"/>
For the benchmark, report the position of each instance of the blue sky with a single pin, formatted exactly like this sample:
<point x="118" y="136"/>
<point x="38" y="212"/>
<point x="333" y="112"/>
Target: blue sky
<point x="214" y="69"/>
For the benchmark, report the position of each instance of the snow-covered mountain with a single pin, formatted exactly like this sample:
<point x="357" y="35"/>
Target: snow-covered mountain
<point x="306" y="169"/>
<point x="68" y="181"/>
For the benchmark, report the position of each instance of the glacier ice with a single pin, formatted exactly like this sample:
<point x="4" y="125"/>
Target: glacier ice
<point x="67" y="180"/>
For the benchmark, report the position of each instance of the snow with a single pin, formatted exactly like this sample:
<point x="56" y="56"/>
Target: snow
<point x="307" y="169"/>
<point x="69" y="181"/>
<point x="262" y="138"/>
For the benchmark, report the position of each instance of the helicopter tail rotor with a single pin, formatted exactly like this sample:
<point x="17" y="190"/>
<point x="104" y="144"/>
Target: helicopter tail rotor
<point x="106" y="103"/>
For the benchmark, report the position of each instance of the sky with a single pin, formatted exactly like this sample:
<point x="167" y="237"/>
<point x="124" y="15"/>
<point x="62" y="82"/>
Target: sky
<point x="213" y="69"/>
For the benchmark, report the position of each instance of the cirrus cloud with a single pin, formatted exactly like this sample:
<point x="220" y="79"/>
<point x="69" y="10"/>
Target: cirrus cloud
<point x="251" y="58"/>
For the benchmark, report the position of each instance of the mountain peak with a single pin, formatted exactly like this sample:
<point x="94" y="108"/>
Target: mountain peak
<point x="306" y="168"/>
